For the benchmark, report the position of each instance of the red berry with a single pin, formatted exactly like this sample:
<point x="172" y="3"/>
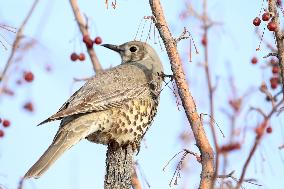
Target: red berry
<point x="98" y="40"/>
<point x="272" y="26"/>
<point x="29" y="106"/>
<point x="88" y="41"/>
<point x="1" y="133"/>
<point x="275" y="69"/>
<point x="6" y="123"/>
<point x="254" y="60"/>
<point x="274" y="82"/>
<point x="86" y="38"/>
<point x="279" y="3"/>
<point x="256" y="21"/>
<point x="74" y="56"/>
<point x="28" y="76"/>
<point x="90" y="45"/>
<point x="269" y="129"/>
<point x="273" y="85"/>
<point x="82" y="57"/>
<point x="204" y="40"/>
<point x="265" y="16"/>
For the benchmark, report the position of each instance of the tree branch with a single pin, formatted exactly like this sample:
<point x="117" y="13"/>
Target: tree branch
<point x="272" y="7"/>
<point x="16" y="43"/>
<point x="210" y="87"/>
<point x="207" y="156"/>
<point x="84" y="30"/>
<point x="258" y="137"/>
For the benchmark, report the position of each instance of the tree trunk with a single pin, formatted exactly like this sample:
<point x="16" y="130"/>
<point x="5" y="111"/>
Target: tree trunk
<point x="119" y="167"/>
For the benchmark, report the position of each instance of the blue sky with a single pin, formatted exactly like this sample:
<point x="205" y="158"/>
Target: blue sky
<point x="53" y="25"/>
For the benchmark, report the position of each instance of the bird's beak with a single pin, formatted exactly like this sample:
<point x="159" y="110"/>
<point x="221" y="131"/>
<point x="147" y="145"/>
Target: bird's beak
<point x="112" y="47"/>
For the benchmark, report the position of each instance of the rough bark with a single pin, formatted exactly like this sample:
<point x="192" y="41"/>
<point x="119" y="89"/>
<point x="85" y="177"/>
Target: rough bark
<point x="119" y="167"/>
<point x="272" y="7"/>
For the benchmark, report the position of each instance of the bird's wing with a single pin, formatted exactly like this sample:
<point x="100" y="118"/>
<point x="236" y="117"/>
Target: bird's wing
<point x="109" y="89"/>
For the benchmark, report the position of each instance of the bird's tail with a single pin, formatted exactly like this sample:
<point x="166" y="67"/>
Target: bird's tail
<point x="62" y="142"/>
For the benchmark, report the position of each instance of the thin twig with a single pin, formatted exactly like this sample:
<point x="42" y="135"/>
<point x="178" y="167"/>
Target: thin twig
<point x="230" y="175"/>
<point x="206" y="27"/>
<point x="262" y="39"/>
<point x="271" y="54"/>
<point x="19" y="37"/>
<point x="183" y="35"/>
<point x="256" y="142"/>
<point x="259" y="110"/>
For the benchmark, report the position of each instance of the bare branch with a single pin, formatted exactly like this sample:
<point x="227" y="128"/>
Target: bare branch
<point x="182" y="36"/>
<point x="252" y="151"/>
<point x="258" y="110"/>
<point x="17" y="41"/>
<point x="177" y="175"/>
<point x="230" y="175"/>
<point x="257" y="141"/>
<point x="272" y="7"/>
<point x="207" y="156"/>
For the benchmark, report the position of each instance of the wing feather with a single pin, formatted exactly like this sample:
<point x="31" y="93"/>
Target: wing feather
<point x="108" y="89"/>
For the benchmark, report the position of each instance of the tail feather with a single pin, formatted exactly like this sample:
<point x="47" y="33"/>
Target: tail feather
<point x="62" y="142"/>
<point x="71" y="131"/>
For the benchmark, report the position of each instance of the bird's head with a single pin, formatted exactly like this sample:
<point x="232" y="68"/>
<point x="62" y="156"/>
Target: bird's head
<point x="134" y="51"/>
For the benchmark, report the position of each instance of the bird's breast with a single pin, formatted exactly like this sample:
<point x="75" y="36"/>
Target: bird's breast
<point x="126" y="124"/>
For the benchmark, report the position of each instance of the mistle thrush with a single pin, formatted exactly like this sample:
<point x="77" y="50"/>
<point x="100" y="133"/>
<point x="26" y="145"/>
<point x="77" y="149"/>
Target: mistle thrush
<point x="117" y="105"/>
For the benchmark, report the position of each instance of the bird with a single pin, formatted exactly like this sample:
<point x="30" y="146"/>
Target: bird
<point x="116" y="105"/>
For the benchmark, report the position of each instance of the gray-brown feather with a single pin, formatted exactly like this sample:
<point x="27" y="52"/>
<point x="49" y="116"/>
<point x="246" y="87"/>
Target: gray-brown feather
<point x="111" y="88"/>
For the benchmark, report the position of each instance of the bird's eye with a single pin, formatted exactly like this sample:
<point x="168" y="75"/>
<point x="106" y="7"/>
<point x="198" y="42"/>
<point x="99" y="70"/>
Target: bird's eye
<point x="133" y="49"/>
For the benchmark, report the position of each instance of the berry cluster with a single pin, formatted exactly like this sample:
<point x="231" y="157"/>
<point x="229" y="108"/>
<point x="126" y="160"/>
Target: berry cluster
<point x="90" y="43"/>
<point x="5" y="123"/>
<point x="74" y="56"/>
<point x="271" y="26"/>
<point x="275" y="79"/>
